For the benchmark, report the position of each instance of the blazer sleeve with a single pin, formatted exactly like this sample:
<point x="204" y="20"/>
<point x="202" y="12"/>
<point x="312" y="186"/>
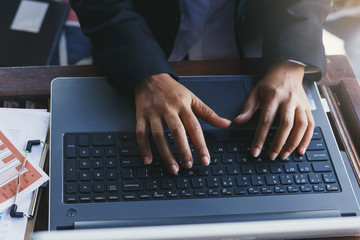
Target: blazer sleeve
<point x="123" y="44"/>
<point x="293" y="31"/>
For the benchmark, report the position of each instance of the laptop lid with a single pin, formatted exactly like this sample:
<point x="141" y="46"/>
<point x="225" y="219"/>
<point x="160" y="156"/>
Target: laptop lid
<point x="83" y="105"/>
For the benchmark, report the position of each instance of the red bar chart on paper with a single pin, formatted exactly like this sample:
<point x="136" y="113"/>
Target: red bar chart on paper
<point x="11" y="161"/>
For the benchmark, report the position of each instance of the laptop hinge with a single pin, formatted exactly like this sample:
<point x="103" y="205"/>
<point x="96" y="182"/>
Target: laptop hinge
<point x="206" y="219"/>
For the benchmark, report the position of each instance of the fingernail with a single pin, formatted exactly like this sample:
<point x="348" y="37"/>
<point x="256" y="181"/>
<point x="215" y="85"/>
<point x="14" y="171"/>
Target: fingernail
<point x="273" y="155"/>
<point x="174" y="169"/>
<point x="256" y="152"/>
<point x="285" y="155"/>
<point x="205" y="160"/>
<point x="302" y="151"/>
<point x="147" y="160"/>
<point x="227" y="121"/>
<point x="188" y="164"/>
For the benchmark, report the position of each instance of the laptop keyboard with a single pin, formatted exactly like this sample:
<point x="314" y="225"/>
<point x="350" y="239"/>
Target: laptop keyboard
<point x="107" y="167"/>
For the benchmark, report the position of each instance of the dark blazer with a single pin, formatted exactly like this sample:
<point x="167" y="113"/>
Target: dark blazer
<point x="133" y="39"/>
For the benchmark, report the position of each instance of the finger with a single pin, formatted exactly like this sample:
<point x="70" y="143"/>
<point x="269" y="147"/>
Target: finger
<point x="197" y="137"/>
<point x="142" y="128"/>
<point x="308" y="133"/>
<point x="300" y="126"/>
<point x="266" y="119"/>
<point x="178" y="132"/>
<point x="207" y="114"/>
<point x="251" y="105"/>
<point x="158" y="133"/>
<point x="282" y="133"/>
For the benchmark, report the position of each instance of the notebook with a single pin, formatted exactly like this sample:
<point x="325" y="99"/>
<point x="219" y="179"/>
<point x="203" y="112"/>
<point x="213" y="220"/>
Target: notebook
<point x="98" y="180"/>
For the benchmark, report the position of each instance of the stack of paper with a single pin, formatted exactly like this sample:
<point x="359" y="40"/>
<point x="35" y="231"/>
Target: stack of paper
<point x="17" y="126"/>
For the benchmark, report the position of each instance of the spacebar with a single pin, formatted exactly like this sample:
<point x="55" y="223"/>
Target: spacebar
<point x="206" y="219"/>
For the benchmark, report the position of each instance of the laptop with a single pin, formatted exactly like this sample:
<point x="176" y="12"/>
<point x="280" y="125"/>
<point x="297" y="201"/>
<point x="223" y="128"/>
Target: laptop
<point x="98" y="180"/>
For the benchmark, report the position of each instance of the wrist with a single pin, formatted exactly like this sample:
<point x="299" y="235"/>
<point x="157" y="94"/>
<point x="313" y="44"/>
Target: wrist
<point x="287" y="68"/>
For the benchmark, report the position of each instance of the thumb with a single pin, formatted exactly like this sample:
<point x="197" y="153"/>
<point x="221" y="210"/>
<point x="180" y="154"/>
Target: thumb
<point x="207" y="114"/>
<point x="251" y="105"/>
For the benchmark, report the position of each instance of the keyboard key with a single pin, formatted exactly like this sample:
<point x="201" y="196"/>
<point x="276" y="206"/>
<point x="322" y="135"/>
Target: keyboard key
<point x="182" y="183"/>
<point x="110" y="152"/>
<point x="70" y="146"/>
<point x="98" y="187"/>
<point x="271" y="180"/>
<point x="226" y="191"/>
<point x="266" y="190"/>
<point x="329" y="178"/>
<point x="332" y="187"/>
<point x="242" y="181"/>
<point x="126" y="136"/>
<point x="185" y="193"/>
<point x="71" y="199"/>
<point x="129" y="196"/>
<point x="213" y="182"/>
<point x="99" y="198"/>
<point x="102" y="140"/>
<point x="257" y="180"/>
<point x="317" y="155"/>
<point x="132" y="186"/>
<point x="127" y="174"/>
<point x="290" y="168"/>
<point x="85" y="198"/>
<point x="158" y="172"/>
<point x="321" y="167"/>
<point x="261" y="169"/>
<point x="84" y="152"/>
<point x="110" y="163"/>
<point x="317" y="134"/>
<point x="70" y="170"/>
<point x="315" y="178"/>
<point x="316" y="145"/>
<point x="203" y="171"/>
<point x="113" y="197"/>
<point x="233" y="147"/>
<point x="98" y="175"/>
<point x="172" y="194"/>
<point x="167" y="184"/>
<point x="318" y="188"/>
<point x="144" y="195"/>
<point x="158" y="194"/>
<point x="200" y="192"/>
<point x="240" y="191"/>
<point x="84" y="176"/>
<point x="228" y="181"/>
<point x="84" y="163"/>
<point x="213" y="192"/>
<point x="286" y="179"/>
<point x="304" y="167"/>
<point x="292" y="189"/>
<point x="111" y="175"/>
<point x="215" y="159"/>
<point x="228" y="158"/>
<point x="129" y="151"/>
<point x="301" y="178"/>
<point x="84" y="188"/>
<point x="218" y="170"/>
<point x="253" y="190"/>
<point x="197" y="183"/>
<point x="98" y="163"/>
<point x="218" y="148"/>
<point x="84" y="140"/>
<point x="97" y="152"/>
<point x="246" y="170"/>
<point x="143" y="173"/>
<point x="298" y="158"/>
<point x="70" y="188"/>
<point x="233" y="169"/>
<point x="112" y="187"/>
<point x="305" y="188"/>
<point x="276" y="168"/>
<point x="279" y="189"/>
<point x="152" y="185"/>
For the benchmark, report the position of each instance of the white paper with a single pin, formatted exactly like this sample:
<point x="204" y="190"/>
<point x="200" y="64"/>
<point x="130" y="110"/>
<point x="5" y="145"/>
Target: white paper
<point x="24" y="124"/>
<point x="29" y="16"/>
